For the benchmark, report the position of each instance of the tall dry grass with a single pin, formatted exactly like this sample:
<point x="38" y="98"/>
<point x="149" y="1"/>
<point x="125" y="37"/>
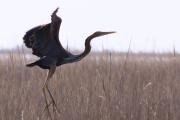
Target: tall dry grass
<point x="100" y="87"/>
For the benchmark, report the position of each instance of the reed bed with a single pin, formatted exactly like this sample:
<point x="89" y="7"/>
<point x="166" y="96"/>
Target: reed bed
<point x="103" y="86"/>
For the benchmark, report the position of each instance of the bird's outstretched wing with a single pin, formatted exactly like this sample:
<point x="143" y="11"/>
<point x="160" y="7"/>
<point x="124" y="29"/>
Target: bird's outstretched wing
<point x="44" y="39"/>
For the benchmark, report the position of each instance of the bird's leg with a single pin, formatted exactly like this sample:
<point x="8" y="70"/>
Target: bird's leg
<point x="50" y="74"/>
<point x="53" y="101"/>
<point x="45" y="86"/>
<point x="47" y="105"/>
<point x="55" y="109"/>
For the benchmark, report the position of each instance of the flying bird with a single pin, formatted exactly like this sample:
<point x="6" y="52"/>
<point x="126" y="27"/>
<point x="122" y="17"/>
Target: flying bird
<point x="44" y="42"/>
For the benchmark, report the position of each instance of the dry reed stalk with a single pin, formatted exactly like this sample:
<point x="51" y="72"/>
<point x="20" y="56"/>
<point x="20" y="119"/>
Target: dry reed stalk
<point x="90" y="89"/>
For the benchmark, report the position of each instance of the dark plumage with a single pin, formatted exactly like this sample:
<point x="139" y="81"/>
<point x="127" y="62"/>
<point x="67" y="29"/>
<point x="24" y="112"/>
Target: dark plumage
<point x="44" y="42"/>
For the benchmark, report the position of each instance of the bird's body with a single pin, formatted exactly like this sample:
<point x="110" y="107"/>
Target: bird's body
<point x="44" y="42"/>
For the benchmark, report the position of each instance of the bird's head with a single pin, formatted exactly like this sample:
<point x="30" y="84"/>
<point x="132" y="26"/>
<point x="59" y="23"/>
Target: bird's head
<point x="54" y="17"/>
<point x="99" y="33"/>
<point x="55" y="11"/>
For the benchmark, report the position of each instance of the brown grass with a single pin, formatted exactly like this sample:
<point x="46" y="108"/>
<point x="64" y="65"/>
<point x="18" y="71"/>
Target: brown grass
<point x="100" y="87"/>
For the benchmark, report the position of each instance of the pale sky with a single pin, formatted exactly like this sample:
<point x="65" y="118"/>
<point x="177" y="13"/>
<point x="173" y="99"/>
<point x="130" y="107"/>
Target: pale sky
<point x="151" y="25"/>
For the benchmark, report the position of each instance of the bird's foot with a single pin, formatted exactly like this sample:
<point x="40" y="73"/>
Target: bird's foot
<point x="55" y="108"/>
<point x="48" y="111"/>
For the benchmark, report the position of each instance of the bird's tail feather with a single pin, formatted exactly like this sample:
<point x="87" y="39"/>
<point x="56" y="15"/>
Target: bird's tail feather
<point x="31" y="64"/>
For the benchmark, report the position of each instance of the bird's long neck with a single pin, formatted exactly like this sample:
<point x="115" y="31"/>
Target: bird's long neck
<point x="75" y="58"/>
<point x="86" y="50"/>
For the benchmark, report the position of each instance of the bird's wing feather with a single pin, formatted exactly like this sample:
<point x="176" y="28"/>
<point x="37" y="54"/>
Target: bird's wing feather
<point x="44" y="39"/>
<point x="29" y="36"/>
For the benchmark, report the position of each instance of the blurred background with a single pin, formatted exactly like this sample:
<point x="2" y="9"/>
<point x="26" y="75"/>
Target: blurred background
<point x="145" y="25"/>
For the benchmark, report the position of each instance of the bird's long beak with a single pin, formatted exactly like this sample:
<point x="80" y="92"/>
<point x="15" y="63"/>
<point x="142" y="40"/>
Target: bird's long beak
<point x="105" y="33"/>
<point x="54" y="13"/>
